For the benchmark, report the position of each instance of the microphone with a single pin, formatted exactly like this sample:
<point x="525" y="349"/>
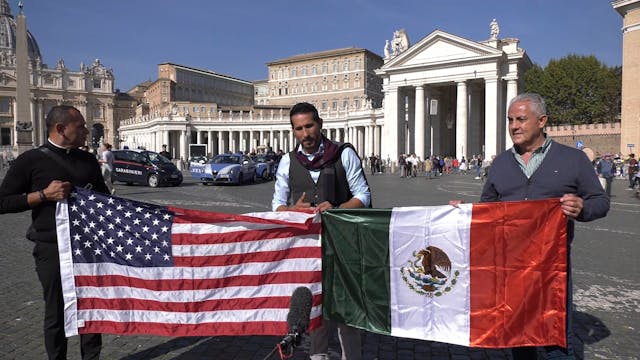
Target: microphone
<point x="298" y="317"/>
<point x="297" y="322"/>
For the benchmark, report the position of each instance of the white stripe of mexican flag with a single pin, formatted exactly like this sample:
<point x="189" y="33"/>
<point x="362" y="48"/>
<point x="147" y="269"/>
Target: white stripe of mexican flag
<point x="482" y="275"/>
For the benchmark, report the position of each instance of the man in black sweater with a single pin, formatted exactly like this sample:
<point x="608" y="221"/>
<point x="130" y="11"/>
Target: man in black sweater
<point x="36" y="180"/>
<point x="539" y="168"/>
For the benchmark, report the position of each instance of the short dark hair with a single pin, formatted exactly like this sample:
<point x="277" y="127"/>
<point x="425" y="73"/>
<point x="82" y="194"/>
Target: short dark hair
<point x="59" y="114"/>
<point x="304" y="108"/>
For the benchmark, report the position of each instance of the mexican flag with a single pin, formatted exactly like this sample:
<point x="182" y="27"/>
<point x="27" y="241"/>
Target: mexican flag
<point x="490" y="275"/>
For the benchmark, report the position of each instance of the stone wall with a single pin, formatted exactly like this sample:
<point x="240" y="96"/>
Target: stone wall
<point x="602" y="138"/>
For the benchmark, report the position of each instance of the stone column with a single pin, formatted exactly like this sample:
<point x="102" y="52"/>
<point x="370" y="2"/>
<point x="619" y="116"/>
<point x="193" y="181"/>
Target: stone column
<point x="419" y="122"/>
<point x="183" y="148"/>
<point x="271" y="139"/>
<point x="491" y="117"/>
<point x="281" y="141"/>
<point x="209" y="142"/>
<point x="292" y="142"/>
<point x="42" y="127"/>
<point x="512" y="91"/>
<point x="198" y="137"/>
<point x="233" y="145"/>
<point x="251" y="144"/>
<point x="461" y="121"/>
<point x="361" y="140"/>
<point x="411" y="128"/>
<point x="391" y="130"/>
<point x="376" y="139"/>
<point x="220" y="142"/>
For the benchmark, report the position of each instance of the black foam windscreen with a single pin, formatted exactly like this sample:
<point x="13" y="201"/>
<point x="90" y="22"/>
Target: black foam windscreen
<point x="299" y="310"/>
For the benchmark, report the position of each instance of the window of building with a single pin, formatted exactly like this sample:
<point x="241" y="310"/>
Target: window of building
<point x="325" y="67"/>
<point x="356" y="104"/>
<point x="356" y="64"/>
<point x="5" y="136"/>
<point x="286" y="73"/>
<point x="48" y="80"/>
<point x="345" y="104"/>
<point x="345" y="65"/>
<point x="5" y="105"/>
<point x="304" y="70"/>
<point x="314" y="70"/>
<point x="324" y="106"/>
<point x="334" y="105"/>
<point x="97" y="84"/>
<point x="335" y="66"/>
<point x="279" y="74"/>
<point x="195" y="109"/>
<point x="294" y="71"/>
<point x="97" y="112"/>
<point x="71" y="83"/>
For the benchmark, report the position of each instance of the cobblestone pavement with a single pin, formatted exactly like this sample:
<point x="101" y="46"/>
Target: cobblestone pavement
<point x="606" y="286"/>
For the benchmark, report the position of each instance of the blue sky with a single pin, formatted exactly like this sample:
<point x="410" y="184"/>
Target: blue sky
<point x="239" y="37"/>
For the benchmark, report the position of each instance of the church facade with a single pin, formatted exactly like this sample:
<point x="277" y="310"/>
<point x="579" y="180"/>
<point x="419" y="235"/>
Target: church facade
<point x="89" y="88"/>
<point x="447" y="95"/>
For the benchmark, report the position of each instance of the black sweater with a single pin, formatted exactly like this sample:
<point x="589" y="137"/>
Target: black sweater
<point x="34" y="170"/>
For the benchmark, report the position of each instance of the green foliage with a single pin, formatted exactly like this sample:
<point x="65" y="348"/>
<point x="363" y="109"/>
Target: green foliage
<point x="577" y="89"/>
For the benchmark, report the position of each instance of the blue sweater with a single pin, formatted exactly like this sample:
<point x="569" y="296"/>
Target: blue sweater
<point x="564" y="170"/>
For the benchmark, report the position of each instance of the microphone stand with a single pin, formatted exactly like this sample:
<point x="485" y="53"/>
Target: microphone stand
<point x="289" y="342"/>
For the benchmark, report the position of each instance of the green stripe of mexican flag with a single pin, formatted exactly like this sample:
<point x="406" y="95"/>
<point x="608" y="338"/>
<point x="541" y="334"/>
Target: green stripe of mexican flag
<point x="482" y="275"/>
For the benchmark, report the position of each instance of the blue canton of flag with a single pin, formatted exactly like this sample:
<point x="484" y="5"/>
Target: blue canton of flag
<point x="108" y="229"/>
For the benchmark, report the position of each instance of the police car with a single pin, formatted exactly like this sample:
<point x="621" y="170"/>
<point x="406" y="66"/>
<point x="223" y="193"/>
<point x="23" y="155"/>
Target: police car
<point x="225" y="169"/>
<point x="144" y="167"/>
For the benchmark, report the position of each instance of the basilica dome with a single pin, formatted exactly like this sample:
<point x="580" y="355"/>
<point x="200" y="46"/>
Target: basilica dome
<point x="8" y="34"/>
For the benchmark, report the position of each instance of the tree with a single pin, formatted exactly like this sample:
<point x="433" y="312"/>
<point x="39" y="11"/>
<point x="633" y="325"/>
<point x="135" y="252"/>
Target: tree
<point x="577" y="89"/>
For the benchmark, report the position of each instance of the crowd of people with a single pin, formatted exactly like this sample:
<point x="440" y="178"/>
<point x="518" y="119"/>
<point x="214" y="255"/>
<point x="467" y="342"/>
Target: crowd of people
<point x="410" y="165"/>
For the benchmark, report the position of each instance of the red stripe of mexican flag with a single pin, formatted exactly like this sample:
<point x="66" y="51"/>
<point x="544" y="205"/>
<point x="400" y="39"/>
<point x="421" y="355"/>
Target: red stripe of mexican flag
<point x="482" y="275"/>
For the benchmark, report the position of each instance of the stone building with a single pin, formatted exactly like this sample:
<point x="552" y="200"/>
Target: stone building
<point x="447" y="95"/>
<point x="630" y="122"/>
<point x="332" y="80"/>
<point x="89" y="88"/>
<point x="176" y="108"/>
<point x="444" y="95"/>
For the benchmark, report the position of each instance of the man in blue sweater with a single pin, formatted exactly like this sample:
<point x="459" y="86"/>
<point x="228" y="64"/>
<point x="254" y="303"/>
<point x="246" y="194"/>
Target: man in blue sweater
<point x="537" y="168"/>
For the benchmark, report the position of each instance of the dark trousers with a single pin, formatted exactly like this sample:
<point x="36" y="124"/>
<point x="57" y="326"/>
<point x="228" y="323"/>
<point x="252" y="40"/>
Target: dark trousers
<point x="55" y="341"/>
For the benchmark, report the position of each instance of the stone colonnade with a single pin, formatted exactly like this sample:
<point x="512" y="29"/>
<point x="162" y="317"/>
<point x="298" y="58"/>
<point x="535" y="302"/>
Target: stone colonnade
<point x="460" y="119"/>
<point x="224" y="133"/>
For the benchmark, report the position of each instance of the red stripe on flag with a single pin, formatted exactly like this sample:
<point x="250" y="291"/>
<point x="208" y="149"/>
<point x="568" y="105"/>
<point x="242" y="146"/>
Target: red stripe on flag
<point x="245" y="235"/>
<point x="518" y="263"/>
<point x="262" y="256"/>
<point x="199" y="284"/>
<point x="272" y="302"/>
<point x="205" y="329"/>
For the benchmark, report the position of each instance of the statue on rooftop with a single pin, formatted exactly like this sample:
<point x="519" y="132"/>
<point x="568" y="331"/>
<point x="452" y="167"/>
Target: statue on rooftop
<point x="495" y="30"/>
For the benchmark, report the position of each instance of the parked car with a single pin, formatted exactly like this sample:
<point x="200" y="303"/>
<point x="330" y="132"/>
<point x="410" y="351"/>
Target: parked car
<point x="265" y="167"/>
<point x="225" y="168"/>
<point x="144" y="167"/>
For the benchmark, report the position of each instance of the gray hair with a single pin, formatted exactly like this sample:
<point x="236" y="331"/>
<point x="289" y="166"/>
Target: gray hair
<point x="538" y="106"/>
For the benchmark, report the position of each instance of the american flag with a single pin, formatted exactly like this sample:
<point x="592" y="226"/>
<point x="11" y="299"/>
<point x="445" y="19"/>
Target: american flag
<point x="129" y="267"/>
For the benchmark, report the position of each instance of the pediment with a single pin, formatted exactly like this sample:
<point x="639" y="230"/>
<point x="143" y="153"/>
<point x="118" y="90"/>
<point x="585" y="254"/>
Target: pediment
<point x="441" y="47"/>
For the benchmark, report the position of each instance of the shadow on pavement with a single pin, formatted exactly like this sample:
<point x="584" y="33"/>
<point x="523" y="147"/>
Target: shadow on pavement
<point x="587" y="329"/>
